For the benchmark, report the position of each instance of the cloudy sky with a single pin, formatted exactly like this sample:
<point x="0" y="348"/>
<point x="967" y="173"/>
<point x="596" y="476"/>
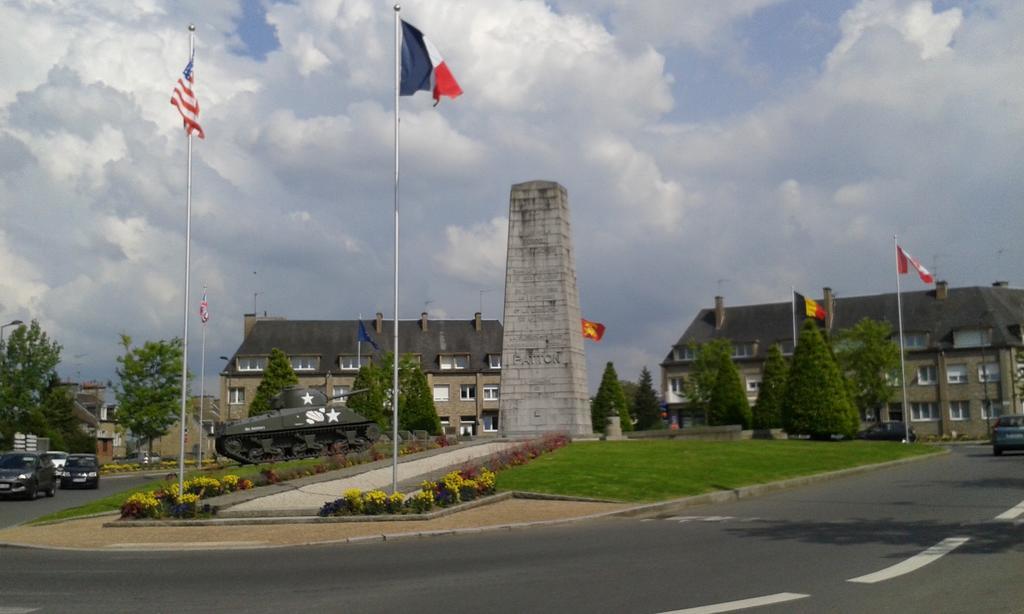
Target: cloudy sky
<point x="733" y="147"/>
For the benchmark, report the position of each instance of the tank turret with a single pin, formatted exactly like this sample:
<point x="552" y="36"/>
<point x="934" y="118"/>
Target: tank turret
<point x="302" y="424"/>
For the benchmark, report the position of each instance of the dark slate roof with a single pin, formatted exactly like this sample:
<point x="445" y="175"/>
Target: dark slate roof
<point x="330" y="338"/>
<point x="998" y="308"/>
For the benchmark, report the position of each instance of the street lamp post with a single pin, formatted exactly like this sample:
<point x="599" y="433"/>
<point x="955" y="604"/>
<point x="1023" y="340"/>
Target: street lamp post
<point x="11" y="323"/>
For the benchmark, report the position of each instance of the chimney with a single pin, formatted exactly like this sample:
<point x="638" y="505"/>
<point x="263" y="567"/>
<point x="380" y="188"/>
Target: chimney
<point x="378" y="324"/>
<point x="423" y="321"/>
<point x="1001" y="284"/>
<point x="830" y="307"/>
<point x="248" y="321"/>
<point x="719" y="312"/>
<point x="941" y="290"/>
<point x="476" y="322"/>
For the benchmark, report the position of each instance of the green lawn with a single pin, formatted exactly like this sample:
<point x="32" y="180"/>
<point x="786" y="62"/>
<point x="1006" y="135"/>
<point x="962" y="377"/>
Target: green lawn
<point x="661" y="470"/>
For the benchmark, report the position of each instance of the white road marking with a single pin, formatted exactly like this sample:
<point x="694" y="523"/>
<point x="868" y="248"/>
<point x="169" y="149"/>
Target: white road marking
<point x="742" y="604"/>
<point x="1012" y="513"/>
<point x="184" y="545"/>
<point x="10" y="610"/>
<point x="915" y="562"/>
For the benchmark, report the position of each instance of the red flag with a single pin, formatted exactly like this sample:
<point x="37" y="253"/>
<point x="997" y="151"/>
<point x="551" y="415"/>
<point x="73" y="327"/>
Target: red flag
<point x="902" y="258"/>
<point x="592" y="330"/>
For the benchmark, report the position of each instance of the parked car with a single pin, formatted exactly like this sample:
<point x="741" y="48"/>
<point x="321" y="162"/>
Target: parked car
<point x="1007" y="434"/>
<point x="81" y="470"/>
<point x="887" y="431"/>
<point x="25" y="474"/>
<point x="58" y="458"/>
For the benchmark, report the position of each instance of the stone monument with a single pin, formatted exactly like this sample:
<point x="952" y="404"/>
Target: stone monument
<point x="543" y="370"/>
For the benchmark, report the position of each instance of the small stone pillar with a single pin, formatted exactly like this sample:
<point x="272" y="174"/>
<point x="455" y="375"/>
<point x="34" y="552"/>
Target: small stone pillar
<point x="613" y="431"/>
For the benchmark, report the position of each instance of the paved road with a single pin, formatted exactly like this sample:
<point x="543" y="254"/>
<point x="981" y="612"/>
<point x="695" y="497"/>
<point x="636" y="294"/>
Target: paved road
<point x="942" y="535"/>
<point x="17" y="511"/>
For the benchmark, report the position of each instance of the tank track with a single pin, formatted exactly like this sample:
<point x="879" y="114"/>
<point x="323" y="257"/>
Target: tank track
<point x="290" y="444"/>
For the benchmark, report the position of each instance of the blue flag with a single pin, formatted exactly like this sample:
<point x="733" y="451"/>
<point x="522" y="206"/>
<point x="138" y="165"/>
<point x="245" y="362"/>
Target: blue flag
<point x="365" y="336"/>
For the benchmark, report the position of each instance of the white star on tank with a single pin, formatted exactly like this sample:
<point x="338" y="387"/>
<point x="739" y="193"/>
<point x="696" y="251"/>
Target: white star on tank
<point x="307" y="399"/>
<point x="332" y="416"/>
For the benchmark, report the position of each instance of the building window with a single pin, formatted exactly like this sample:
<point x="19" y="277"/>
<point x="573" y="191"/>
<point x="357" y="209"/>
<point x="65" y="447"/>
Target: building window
<point x="970" y="338"/>
<point x="305" y="363"/>
<point x="675" y="384"/>
<point x="988" y="372"/>
<point x="753" y="383"/>
<point x="490" y="420"/>
<point x="920" y="412"/>
<point x="786" y="345"/>
<point x="868" y="415"/>
<point x="251" y="363"/>
<point x="236" y="396"/>
<point x="453" y="361"/>
<point x="440" y="392"/>
<point x="742" y="350"/>
<point x="416" y="359"/>
<point x="467" y="425"/>
<point x="683" y="353"/>
<point x="925" y="376"/>
<point x="352" y="362"/>
<point x="990" y="409"/>
<point x="494" y="360"/>
<point x="959" y="410"/>
<point x="956" y="374"/>
<point x="491" y="392"/>
<point x="896" y="412"/>
<point x="467" y="392"/>
<point x="339" y="391"/>
<point x="915" y="341"/>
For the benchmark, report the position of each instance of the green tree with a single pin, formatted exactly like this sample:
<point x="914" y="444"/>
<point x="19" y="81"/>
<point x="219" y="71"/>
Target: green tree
<point x="374" y="403"/>
<point x="706" y="366"/>
<point x="149" y="392"/>
<point x="609" y="401"/>
<point x="416" y="410"/>
<point x="728" y="403"/>
<point x="629" y="393"/>
<point x="867" y="355"/>
<point x="645" y="403"/>
<point x="768" y="409"/>
<point x="816" y="401"/>
<point x="28" y="363"/>
<point x="276" y="377"/>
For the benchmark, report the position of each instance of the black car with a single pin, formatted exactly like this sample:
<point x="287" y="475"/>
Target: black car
<point x="887" y="431"/>
<point x="81" y="470"/>
<point x="25" y="474"/>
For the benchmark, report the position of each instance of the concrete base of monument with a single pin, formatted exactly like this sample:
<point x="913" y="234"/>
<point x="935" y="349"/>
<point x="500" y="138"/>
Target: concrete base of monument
<point x="613" y="430"/>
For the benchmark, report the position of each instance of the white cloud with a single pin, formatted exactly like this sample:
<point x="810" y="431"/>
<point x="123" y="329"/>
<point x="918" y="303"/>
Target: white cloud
<point x="475" y="254"/>
<point x="918" y="24"/>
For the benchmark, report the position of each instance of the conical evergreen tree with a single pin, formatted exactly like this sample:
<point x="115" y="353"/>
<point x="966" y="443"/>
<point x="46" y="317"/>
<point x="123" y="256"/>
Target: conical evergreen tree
<point x="768" y="410"/>
<point x="728" y="403"/>
<point x="416" y="409"/>
<point x="817" y="401"/>
<point x="609" y="401"/>
<point x="645" y="404"/>
<point x="374" y="403"/>
<point x="276" y="377"/>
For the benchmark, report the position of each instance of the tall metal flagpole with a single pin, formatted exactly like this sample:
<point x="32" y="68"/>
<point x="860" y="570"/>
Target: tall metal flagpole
<point x="792" y="305"/>
<point x="903" y="367"/>
<point x="188" y="239"/>
<point x="202" y="391"/>
<point x="394" y="373"/>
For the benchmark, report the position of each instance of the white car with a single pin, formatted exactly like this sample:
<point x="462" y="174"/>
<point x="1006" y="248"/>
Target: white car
<point x="58" y="459"/>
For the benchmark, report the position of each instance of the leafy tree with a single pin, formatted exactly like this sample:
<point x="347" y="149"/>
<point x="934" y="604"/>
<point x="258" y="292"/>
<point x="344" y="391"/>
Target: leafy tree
<point x="645" y="404"/>
<point x="768" y="410"/>
<point x="28" y="363"/>
<point x="276" y="377"/>
<point x="728" y="403"/>
<point x="867" y="354"/>
<point x="609" y="401"/>
<point x="706" y="366"/>
<point x="59" y="423"/>
<point x="149" y="393"/>
<point x="816" y="401"/>
<point x="416" y="410"/>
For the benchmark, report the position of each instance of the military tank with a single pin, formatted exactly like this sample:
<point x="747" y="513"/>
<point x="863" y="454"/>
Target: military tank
<point x="301" y="424"/>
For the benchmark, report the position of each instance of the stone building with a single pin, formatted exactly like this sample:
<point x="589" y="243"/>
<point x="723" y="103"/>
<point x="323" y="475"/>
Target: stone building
<point x="461" y="359"/>
<point x="963" y="352"/>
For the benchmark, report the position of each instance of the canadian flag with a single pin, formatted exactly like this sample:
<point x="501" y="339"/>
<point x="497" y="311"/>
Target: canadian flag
<point x="902" y="258"/>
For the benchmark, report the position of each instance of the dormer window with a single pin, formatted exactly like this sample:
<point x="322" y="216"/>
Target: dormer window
<point x="494" y="361"/>
<point x="305" y="363"/>
<point x="683" y="353"/>
<point x="915" y="341"/>
<point x="970" y="338"/>
<point x="742" y="350"/>
<point x="352" y="362"/>
<point x="453" y="361"/>
<point x="251" y="363"/>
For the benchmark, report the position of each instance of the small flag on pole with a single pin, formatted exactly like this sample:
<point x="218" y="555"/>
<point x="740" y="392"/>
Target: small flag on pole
<point x="592" y="330"/>
<point x="423" y="68"/>
<point x="809" y="307"/>
<point x="903" y="258"/>
<point x="365" y="336"/>
<point x="185" y="99"/>
<point x="204" y="309"/>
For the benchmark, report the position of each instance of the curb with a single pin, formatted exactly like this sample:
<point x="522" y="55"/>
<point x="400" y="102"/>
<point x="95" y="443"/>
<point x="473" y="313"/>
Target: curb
<point x="638" y="511"/>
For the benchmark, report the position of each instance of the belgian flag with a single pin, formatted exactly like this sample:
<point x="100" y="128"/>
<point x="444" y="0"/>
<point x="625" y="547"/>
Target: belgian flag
<point x="808" y="307"/>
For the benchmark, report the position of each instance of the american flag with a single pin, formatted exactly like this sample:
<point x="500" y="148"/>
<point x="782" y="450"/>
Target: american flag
<point x="204" y="311"/>
<point x="185" y="99"/>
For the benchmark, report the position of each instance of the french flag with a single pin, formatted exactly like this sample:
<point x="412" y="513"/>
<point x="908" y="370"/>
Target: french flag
<point x="423" y="68"/>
